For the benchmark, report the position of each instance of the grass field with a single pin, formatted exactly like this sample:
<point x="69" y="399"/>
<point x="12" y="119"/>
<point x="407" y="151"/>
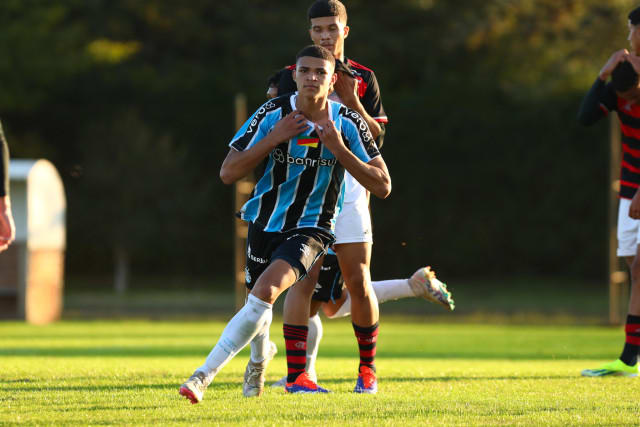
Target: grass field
<point x="128" y="372"/>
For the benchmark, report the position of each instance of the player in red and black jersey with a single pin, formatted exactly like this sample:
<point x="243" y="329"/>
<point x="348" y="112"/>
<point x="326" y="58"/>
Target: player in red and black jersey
<point x="622" y="94"/>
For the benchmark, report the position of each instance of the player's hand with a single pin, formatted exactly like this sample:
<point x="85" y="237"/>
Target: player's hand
<point x="347" y="89"/>
<point x="7" y="226"/>
<point x="616" y="58"/>
<point x="291" y="125"/>
<point x="329" y="135"/>
<point x="634" y="209"/>
<point x="272" y="92"/>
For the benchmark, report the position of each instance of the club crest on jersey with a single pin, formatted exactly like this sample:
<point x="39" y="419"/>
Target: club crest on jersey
<point x="308" y="142"/>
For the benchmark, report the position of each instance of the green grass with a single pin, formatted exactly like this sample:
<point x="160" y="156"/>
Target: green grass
<point x="128" y="372"/>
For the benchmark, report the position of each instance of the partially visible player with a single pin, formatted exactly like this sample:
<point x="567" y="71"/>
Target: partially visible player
<point x="622" y="94"/>
<point x="7" y="226"/>
<point x="308" y="142"/>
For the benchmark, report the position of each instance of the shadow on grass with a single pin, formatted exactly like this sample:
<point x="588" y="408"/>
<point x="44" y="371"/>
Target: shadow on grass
<point x="455" y="378"/>
<point x="194" y="351"/>
<point x="98" y="388"/>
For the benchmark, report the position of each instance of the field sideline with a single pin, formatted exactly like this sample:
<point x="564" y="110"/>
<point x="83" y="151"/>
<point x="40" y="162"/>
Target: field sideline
<point x="128" y="372"/>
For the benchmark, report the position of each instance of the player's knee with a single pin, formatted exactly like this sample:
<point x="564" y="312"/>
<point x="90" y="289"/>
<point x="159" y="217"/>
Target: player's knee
<point x="357" y="285"/>
<point x="267" y="293"/>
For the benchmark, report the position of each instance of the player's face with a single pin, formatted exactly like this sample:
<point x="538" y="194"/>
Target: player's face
<point x="314" y="76"/>
<point x="329" y="33"/>
<point x="634" y="38"/>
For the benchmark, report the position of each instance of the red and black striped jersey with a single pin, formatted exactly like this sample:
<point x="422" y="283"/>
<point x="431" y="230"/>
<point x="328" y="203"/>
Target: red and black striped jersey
<point x="599" y="101"/>
<point x="368" y="89"/>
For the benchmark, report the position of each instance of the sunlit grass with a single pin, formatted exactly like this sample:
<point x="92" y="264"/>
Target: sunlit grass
<point x="128" y="372"/>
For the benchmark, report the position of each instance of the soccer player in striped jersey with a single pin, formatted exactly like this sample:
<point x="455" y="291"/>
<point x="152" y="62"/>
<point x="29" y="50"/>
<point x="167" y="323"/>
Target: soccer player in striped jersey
<point x="7" y="227"/>
<point x="357" y="88"/>
<point x="307" y="141"/>
<point x="622" y="94"/>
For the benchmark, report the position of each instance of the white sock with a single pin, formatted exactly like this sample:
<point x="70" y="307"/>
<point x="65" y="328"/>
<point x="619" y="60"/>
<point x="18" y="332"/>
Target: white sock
<point x="313" y="342"/>
<point x="250" y="320"/>
<point x="260" y="345"/>
<point x="345" y="308"/>
<point x="385" y="290"/>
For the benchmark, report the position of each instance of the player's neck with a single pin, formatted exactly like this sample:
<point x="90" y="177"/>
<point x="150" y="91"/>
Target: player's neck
<point x="314" y="109"/>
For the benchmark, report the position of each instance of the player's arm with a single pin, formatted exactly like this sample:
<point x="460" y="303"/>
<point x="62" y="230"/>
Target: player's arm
<point x="7" y="226"/>
<point x="4" y="165"/>
<point x="373" y="175"/>
<point x="347" y="89"/>
<point x="600" y="99"/>
<point x="239" y="163"/>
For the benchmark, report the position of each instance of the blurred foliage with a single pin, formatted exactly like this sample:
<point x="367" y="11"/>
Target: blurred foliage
<point x="133" y="101"/>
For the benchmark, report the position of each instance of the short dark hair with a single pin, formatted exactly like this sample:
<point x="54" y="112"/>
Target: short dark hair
<point x="634" y="16"/>
<point x="317" y="52"/>
<point x="624" y="77"/>
<point x="322" y="8"/>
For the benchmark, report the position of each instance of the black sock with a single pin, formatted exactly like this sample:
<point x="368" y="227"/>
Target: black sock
<point x="632" y="342"/>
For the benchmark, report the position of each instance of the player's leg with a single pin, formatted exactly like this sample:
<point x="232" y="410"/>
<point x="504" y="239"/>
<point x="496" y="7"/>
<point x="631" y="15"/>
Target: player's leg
<point x="296" y="333"/>
<point x="423" y="284"/>
<point x="313" y="341"/>
<point x="628" y="239"/>
<point x="296" y="309"/>
<point x="354" y="261"/>
<point x="254" y="317"/>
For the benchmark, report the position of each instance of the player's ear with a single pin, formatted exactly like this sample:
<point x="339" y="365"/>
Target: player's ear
<point x="334" y="78"/>
<point x="293" y="74"/>
<point x="346" y="31"/>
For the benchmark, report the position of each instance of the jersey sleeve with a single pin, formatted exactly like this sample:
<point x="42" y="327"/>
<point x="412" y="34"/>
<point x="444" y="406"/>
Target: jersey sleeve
<point x="372" y="102"/>
<point x="357" y="135"/>
<point x="4" y="165"/>
<point x="256" y="127"/>
<point x="597" y="103"/>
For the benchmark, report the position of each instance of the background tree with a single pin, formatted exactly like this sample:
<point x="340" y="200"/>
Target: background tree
<point x="492" y="174"/>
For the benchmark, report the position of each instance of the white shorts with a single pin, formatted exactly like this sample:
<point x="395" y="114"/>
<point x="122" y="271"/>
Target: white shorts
<point x="628" y="230"/>
<point x="353" y="224"/>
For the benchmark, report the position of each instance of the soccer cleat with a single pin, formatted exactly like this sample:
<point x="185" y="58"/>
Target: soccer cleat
<point x="303" y="384"/>
<point x="283" y="381"/>
<point x="424" y="284"/>
<point x="617" y="368"/>
<point x="367" y="382"/>
<point x="253" y="384"/>
<point x="193" y="389"/>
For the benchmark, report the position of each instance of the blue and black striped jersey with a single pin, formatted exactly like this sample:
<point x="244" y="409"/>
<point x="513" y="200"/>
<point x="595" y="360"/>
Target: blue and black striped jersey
<point x="302" y="184"/>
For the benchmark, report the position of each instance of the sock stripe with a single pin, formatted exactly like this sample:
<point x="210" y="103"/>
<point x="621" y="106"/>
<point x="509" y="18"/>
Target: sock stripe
<point x="367" y="347"/>
<point x="633" y="328"/>
<point x="633" y="340"/>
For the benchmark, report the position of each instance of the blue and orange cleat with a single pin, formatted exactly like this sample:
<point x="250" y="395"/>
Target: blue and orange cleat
<point x="303" y="384"/>
<point x="367" y="382"/>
